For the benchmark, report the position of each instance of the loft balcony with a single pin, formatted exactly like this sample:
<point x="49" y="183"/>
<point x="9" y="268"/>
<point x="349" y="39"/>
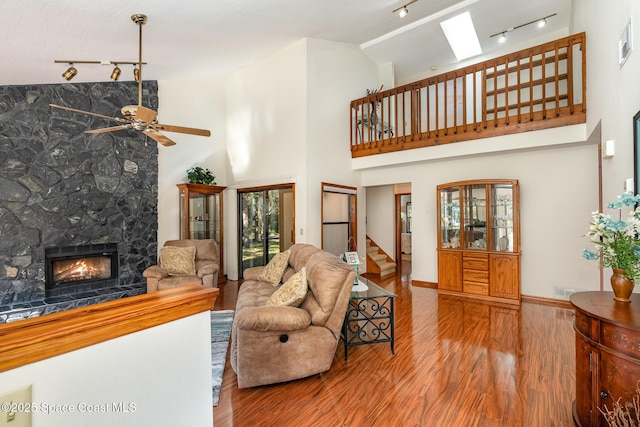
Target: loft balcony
<point x="537" y="88"/>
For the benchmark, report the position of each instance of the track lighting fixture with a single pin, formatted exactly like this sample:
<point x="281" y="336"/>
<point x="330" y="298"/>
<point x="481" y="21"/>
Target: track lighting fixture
<point x="115" y="74"/>
<point x="402" y="10"/>
<point x="503" y="34"/>
<point x="70" y="72"/>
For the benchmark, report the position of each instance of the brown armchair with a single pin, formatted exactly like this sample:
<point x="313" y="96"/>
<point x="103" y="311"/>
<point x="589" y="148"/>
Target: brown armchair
<point x="205" y="266"/>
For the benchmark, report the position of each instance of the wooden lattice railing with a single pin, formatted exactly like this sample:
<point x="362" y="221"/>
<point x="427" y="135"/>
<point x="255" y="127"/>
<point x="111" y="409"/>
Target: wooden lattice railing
<point x="537" y="88"/>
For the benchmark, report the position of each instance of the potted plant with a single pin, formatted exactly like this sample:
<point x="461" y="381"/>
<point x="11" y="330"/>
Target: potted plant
<point x="617" y="243"/>
<point x="198" y="175"/>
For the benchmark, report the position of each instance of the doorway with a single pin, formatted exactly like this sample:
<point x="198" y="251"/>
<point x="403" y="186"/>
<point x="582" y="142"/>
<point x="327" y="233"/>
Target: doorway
<point x="339" y="216"/>
<point x="266" y="224"/>
<point x="403" y="226"/>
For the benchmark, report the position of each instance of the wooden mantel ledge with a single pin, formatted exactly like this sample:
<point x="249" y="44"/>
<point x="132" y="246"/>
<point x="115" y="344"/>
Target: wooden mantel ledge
<point x="32" y="340"/>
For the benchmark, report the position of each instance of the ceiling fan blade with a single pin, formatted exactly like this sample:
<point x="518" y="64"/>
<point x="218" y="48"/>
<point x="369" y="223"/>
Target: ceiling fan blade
<point x="182" y="129"/>
<point x="145" y="114"/>
<point x="157" y="136"/>
<point x="109" y="129"/>
<point x="117" y="119"/>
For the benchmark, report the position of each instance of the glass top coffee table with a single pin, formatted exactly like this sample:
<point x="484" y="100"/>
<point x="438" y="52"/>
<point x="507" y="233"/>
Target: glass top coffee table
<point x="369" y="318"/>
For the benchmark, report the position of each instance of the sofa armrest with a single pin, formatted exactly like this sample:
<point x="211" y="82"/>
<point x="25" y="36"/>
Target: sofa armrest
<point x="212" y="268"/>
<point x="271" y="318"/>
<point x="155" y="272"/>
<point x="252" y="273"/>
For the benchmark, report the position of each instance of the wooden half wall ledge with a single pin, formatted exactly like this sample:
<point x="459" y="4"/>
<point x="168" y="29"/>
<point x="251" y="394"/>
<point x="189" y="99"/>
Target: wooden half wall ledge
<point x="32" y="340"/>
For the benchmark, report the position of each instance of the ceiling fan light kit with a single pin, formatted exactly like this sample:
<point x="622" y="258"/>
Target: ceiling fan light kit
<point x="136" y="117"/>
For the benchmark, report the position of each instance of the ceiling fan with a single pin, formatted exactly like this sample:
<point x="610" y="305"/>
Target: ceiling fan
<point x="138" y="117"/>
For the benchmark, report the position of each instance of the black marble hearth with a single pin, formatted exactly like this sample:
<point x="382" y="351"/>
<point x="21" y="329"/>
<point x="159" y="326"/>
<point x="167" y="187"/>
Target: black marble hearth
<point x="62" y="187"/>
<point x="35" y="308"/>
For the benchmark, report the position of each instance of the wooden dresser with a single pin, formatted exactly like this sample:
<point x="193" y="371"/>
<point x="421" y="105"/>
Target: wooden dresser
<point x="607" y="353"/>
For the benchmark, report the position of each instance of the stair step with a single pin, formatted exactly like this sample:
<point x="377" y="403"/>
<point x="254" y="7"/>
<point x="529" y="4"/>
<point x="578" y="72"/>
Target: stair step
<point x="378" y="257"/>
<point x="371" y="249"/>
<point x="384" y="265"/>
<point x="387" y="272"/>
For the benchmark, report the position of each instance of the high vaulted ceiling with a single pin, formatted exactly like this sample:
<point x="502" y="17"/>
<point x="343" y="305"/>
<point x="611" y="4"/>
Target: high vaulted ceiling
<point x="212" y="38"/>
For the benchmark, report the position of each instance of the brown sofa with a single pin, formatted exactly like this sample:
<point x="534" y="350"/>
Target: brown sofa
<point x="207" y="266"/>
<point x="272" y="344"/>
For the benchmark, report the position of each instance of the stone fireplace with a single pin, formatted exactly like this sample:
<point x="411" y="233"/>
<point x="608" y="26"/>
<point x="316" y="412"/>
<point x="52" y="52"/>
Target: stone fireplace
<point x="61" y="187"/>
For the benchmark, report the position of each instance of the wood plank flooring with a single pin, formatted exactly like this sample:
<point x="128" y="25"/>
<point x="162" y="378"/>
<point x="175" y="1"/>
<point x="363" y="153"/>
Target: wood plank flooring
<point x="458" y="362"/>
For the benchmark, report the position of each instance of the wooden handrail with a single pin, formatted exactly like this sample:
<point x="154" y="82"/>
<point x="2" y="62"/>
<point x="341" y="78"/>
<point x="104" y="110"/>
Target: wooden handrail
<point x="32" y="340"/>
<point x="531" y="89"/>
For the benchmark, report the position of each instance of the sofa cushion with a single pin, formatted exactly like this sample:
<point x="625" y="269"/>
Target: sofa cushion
<point x="270" y="318"/>
<point x="274" y="270"/>
<point x="293" y="292"/>
<point x="206" y="249"/>
<point x="178" y="260"/>
<point x="300" y="254"/>
<point x="326" y="275"/>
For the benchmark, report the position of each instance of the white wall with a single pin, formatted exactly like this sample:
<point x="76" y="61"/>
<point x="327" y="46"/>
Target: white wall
<point x="192" y="103"/>
<point x="337" y="74"/>
<point x="164" y="372"/>
<point x="381" y="222"/>
<point x="288" y="121"/>
<point x="558" y="185"/>
<point x="613" y="92"/>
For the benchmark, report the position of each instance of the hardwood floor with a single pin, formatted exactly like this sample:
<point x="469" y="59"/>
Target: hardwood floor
<point x="458" y="362"/>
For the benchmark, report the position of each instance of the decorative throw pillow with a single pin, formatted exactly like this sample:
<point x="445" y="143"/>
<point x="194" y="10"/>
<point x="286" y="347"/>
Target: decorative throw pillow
<point x="274" y="271"/>
<point x="293" y="292"/>
<point x="178" y="260"/>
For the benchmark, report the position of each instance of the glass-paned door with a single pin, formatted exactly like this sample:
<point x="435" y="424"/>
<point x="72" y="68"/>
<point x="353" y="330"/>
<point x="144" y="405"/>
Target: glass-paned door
<point x="475" y="217"/>
<point x="266" y="224"/>
<point x="450" y="214"/>
<point x="502" y="211"/>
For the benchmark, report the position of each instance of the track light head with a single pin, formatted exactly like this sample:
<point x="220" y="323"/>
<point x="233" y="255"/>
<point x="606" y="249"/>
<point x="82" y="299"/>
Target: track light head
<point x="115" y="74"/>
<point x="70" y="72"/>
<point x="402" y="10"/>
<point x="542" y="22"/>
<point x="502" y="38"/>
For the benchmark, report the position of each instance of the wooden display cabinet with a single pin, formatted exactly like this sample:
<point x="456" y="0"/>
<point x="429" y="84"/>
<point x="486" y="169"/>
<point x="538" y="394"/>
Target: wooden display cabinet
<point x="201" y="215"/>
<point x="479" y="239"/>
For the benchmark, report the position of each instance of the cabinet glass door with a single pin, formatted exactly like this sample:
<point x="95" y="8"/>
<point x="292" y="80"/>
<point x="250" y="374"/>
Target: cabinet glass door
<point x="450" y="217"/>
<point x="204" y="216"/>
<point x="475" y="217"/>
<point x="502" y="221"/>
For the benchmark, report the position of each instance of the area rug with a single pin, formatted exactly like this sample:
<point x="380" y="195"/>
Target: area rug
<point x="221" y="321"/>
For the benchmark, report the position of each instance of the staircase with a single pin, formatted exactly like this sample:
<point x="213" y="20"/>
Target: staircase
<point x="378" y="262"/>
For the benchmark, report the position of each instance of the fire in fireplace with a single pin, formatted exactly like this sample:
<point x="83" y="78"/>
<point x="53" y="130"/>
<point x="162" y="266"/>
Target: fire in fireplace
<point x="88" y="268"/>
<point x="73" y="269"/>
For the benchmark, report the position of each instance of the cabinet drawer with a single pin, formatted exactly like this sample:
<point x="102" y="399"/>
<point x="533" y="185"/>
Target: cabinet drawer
<point x="623" y="340"/>
<point x="475" y="263"/>
<point x="583" y="324"/>
<point x="475" y="288"/>
<point x="475" y="276"/>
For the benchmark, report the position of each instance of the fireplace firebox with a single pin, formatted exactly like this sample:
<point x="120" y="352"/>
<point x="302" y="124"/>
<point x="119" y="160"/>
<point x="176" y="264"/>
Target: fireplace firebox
<point x="76" y="269"/>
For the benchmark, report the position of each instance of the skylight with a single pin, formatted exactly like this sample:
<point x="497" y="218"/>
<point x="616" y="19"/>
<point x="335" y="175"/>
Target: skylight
<point x="461" y="35"/>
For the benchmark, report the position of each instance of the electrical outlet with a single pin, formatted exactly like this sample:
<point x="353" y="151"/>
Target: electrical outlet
<point x="15" y="408"/>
